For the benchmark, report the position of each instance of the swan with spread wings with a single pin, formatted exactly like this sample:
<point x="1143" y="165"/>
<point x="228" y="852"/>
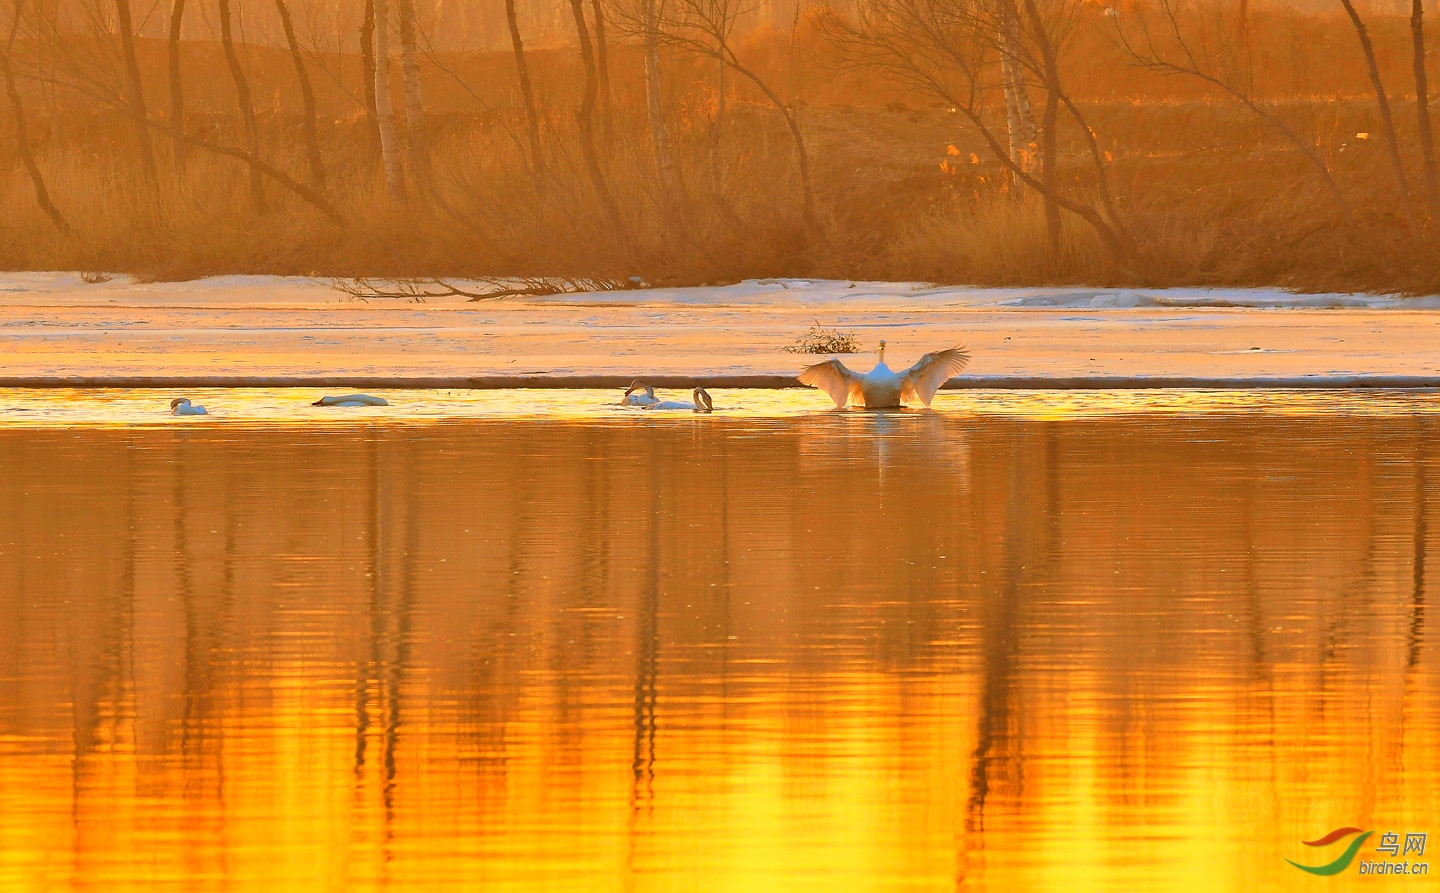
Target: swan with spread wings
<point x="882" y="387"/>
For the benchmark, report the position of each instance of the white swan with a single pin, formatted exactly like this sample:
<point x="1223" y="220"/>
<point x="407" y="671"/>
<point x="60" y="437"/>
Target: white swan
<point x="701" y="403"/>
<point x="639" y="394"/>
<point x="351" y="400"/>
<point x="882" y="387"/>
<point x="183" y="406"/>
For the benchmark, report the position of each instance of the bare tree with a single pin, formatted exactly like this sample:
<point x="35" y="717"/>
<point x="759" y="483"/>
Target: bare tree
<point x="414" y="106"/>
<point x="22" y="133"/>
<point x="177" y="92"/>
<point x="585" y="118"/>
<point x="384" y="114"/>
<point x="247" y="107"/>
<point x="1172" y="47"/>
<point x="1050" y="137"/>
<point x="703" y="27"/>
<point x="527" y="97"/>
<point x="1387" y="120"/>
<point x="307" y="96"/>
<point x="665" y="161"/>
<point x="136" y="86"/>
<point x="367" y="70"/>
<point x="81" y="67"/>
<point x="1019" y="119"/>
<point x="948" y="48"/>
<point x="602" y="64"/>
<point x="1422" y="109"/>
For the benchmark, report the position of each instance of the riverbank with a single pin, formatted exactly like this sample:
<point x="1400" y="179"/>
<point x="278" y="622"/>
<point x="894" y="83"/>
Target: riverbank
<point x="57" y="330"/>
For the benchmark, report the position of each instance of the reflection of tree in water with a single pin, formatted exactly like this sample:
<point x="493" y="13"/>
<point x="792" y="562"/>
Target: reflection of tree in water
<point x="207" y="632"/>
<point x="365" y="669"/>
<point x="103" y="692"/>
<point x="1417" y="596"/>
<point x="1415" y="631"/>
<point x="647" y="646"/>
<point x="1027" y="559"/>
<point x="399" y="668"/>
<point x="387" y="666"/>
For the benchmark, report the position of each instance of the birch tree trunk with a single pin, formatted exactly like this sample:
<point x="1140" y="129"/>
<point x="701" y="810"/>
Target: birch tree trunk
<point x="527" y="95"/>
<point x="384" y="113"/>
<point x="1020" y="120"/>
<point x="177" y="92"/>
<point x="414" y="107"/>
<point x="247" y="107"/>
<point x="136" y="88"/>
<point x="307" y="95"/>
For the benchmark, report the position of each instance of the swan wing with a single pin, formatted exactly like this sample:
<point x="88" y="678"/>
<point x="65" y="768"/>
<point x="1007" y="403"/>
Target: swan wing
<point x="834" y="379"/>
<point x="922" y="380"/>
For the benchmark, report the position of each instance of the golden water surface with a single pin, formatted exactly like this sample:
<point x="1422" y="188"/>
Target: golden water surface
<point x="1020" y="643"/>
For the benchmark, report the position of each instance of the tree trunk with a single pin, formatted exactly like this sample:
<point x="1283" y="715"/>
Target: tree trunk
<point x="247" y="108"/>
<point x="414" y="107"/>
<point x="1019" y="118"/>
<point x="802" y="157"/>
<point x="716" y="168"/>
<point x="1422" y="110"/>
<point x="1049" y="139"/>
<point x="177" y="93"/>
<point x="22" y="135"/>
<point x="602" y="62"/>
<point x="1386" y="119"/>
<point x="527" y="94"/>
<point x="307" y="95"/>
<point x="367" y="66"/>
<point x="384" y="113"/>
<point x="655" y="106"/>
<point x="584" y="116"/>
<point x="136" y="88"/>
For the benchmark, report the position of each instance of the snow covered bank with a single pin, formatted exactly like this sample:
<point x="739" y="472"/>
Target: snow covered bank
<point x="262" y="331"/>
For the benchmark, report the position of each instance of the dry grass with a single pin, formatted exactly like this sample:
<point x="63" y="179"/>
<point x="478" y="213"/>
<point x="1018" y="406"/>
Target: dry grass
<point x="1210" y="196"/>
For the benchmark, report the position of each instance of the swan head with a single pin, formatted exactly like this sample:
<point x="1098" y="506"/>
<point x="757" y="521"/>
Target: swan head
<point x="638" y="385"/>
<point x="702" y="400"/>
<point x="179" y="401"/>
<point x="881" y="351"/>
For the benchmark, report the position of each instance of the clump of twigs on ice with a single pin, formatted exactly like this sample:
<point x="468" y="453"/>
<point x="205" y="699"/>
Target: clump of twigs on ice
<point x="418" y="291"/>
<point x="818" y="339"/>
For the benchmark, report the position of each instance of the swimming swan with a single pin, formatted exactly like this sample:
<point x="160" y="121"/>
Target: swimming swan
<point x="702" y="402"/>
<point x="881" y="387"/>
<point x="183" y="406"/>
<point x="351" y="400"/>
<point x="639" y="394"/>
